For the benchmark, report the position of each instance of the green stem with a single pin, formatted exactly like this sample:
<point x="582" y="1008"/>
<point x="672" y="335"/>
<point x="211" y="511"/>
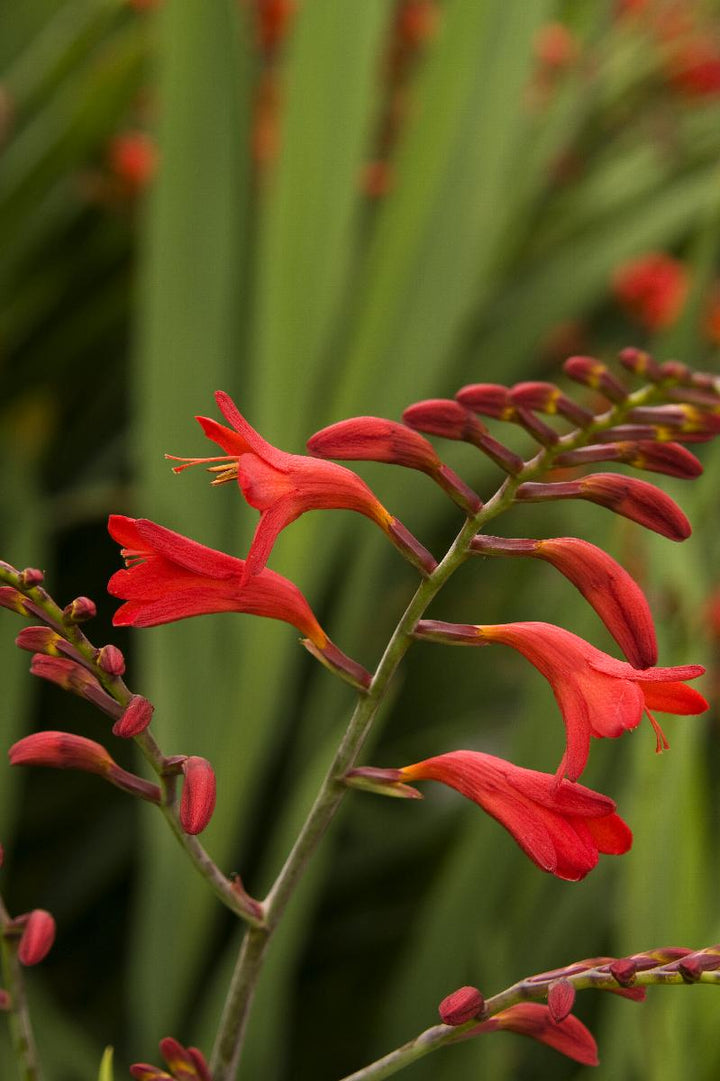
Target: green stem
<point x="226" y="1053"/>
<point x="21" y="1032"/>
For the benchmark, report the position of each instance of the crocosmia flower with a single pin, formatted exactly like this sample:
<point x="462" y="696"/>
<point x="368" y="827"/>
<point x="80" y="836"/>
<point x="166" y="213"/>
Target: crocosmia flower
<point x="184" y="1064"/>
<point x="570" y="1037"/>
<point x="283" y="486"/>
<point x="561" y="826"/>
<point x="597" y="694"/>
<point x="171" y="577"/>
<point x="652" y="289"/>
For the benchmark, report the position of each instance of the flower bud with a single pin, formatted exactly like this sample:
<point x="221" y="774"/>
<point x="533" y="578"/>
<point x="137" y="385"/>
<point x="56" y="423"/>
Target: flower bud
<point x="451" y="420"/>
<point x="560" y="999"/>
<point x="14" y="600"/>
<point x="377" y="440"/>
<point x="80" y="610"/>
<point x="186" y="1063"/>
<point x="593" y="373"/>
<point x="31" y="577"/>
<point x="624" y="971"/>
<point x="137" y="716"/>
<point x="671" y="459"/>
<point x="198" y="795"/>
<point x="37" y="937"/>
<point x="641" y="363"/>
<point x="73" y="677"/>
<point x="462" y="1005"/>
<point x="39" y="640"/>
<point x="548" y="398"/>
<point x="5" y="1001"/>
<point x="488" y="399"/>
<point x="111" y="660"/>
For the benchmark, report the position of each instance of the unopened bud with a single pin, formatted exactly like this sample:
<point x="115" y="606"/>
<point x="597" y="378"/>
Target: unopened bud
<point x="111" y="660"/>
<point x="462" y="1005"/>
<point x="488" y="399"/>
<point x="185" y="1063"/>
<point x="641" y="363"/>
<point x="80" y="610"/>
<point x="690" y="969"/>
<point x="624" y="971"/>
<point x="198" y="795"/>
<point x="37" y="937"/>
<point x="39" y="640"/>
<point x="451" y="420"/>
<point x="137" y="716"/>
<point x="676" y="371"/>
<point x="5" y="1000"/>
<point x="593" y="373"/>
<point x="14" y="600"/>
<point x="31" y="577"/>
<point x="72" y="676"/>
<point x="560" y="999"/>
<point x="547" y="398"/>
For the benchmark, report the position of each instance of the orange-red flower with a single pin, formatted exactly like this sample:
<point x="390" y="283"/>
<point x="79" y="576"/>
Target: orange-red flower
<point x="283" y="486"/>
<point x="561" y="826"/>
<point x="570" y="1037"/>
<point x="171" y="577"/>
<point x="597" y="694"/>
<point x="652" y="289"/>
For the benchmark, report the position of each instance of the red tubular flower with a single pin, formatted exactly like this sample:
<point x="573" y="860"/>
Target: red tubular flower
<point x="171" y="577"/>
<point x="561" y="826"/>
<point x="569" y="1037"/>
<point x="62" y="750"/>
<point x="451" y="420"/>
<point x="198" y="794"/>
<point x="374" y="439"/>
<point x="615" y="596"/>
<point x="597" y="694"/>
<point x="635" y="499"/>
<point x="37" y="937"/>
<point x="283" y="486"/>
<point x="652" y="289"/>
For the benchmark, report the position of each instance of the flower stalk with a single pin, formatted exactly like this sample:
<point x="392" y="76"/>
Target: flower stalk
<point x="21" y="1032"/>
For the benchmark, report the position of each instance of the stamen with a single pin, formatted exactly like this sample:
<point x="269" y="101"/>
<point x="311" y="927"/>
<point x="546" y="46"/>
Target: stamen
<point x="188" y="462"/>
<point x="662" y="743"/>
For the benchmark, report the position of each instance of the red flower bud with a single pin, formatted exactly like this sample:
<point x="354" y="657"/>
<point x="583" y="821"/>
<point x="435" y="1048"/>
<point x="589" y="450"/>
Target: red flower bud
<point x="560" y="999"/>
<point x="548" y="398"/>
<point x="461" y="1006"/>
<point x="641" y="363"/>
<point x="451" y="420"/>
<point x="593" y="373"/>
<point x="72" y="676"/>
<point x="672" y="459"/>
<point x="377" y="440"/>
<point x="14" y="600"/>
<point x="652" y="289"/>
<point x="624" y="970"/>
<point x="137" y="716"/>
<point x="111" y="660"/>
<point x="80" y="610"/>
<point x="488" y="399"/>
<point x="635" y="499"/>
<point x="31" y="577"/>
<point x="39" y="640"/>
<point x="37" y="937"/>
<point x="198" y="795"/>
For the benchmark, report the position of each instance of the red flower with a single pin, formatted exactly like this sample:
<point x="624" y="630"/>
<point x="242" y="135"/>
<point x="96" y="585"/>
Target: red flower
<point x="283" y="486"/>
<point x="185" y="1064"/>
<point x="652" y="289"/>
<point x="171" y="577"/>
<point x="561" y="826"/>
<point x="597" y="694"/>
<point x="615" y="596"/>
<point x="133" y="157"/>
<point x="569" y="1037"/>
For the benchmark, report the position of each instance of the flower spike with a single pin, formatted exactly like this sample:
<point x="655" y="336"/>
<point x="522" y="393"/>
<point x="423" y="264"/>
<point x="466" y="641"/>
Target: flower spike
<point x="615" y="596"/>
<point x="597" y="694"/>
<point x="283" y="486"/>
<point x="374" y="439"/>
<point x="171" y="577"/>
<point x="561" y="826"/>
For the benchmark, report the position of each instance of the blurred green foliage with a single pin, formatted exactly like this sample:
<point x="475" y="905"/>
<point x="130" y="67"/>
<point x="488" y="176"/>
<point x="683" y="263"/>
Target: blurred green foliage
<point x="350" y="213"/>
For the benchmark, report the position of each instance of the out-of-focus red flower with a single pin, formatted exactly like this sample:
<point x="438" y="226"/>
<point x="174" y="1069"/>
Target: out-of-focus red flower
<point x="283" y="486"/>
<point x="133" y="158"/>
<point x="561" y="826"/>
<point x="37" y="937"/>
<point x="597" y="694"/>
<point x="184" y="1063"/>
<point x="569" y="1037"/>
<point x="652" y="289"/>
<point x="417" y="22"/>
<point x="273" y="21"/>
<point x="693" y="67"/>
<point x="171" y="577"/>
<point x="711" y="320"/>
<point x="555" y="46"/>
<point x="615" y="596"/>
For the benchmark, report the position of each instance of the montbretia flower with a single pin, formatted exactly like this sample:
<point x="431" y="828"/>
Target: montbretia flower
<point x="652" y="289"/>
<point x="171" y="577"/>
<point x="597" y="694"/>
<point x="615" y="596"/>
<point x="374" y="439"/>
<point x="561" y="826"/>
<point x="632" y="498"/>
<point x="570" y="1037"/>
<point x="62" y="750"/>
<point x="283" y="486"/>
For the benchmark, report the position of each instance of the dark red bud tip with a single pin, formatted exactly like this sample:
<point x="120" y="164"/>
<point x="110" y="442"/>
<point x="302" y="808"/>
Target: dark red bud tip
<point x="80" y="610"/>
<point x="135" y="719"/>
<point x="624" y="971"/>
<point x="462" y="1005"/>
<point x="111" y="660"/>
<point x="37" y="937"/>
<point x="560" y="999"/>
<point x="640" y="363"/>
<point x="384" y="782"/>
<point x="198" y="796"/>
<point x="5" y="1000"/>
<point x="30" y="577"/>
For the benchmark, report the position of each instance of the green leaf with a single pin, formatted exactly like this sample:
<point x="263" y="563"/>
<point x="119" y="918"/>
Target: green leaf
<point x="106" y="1065"/>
